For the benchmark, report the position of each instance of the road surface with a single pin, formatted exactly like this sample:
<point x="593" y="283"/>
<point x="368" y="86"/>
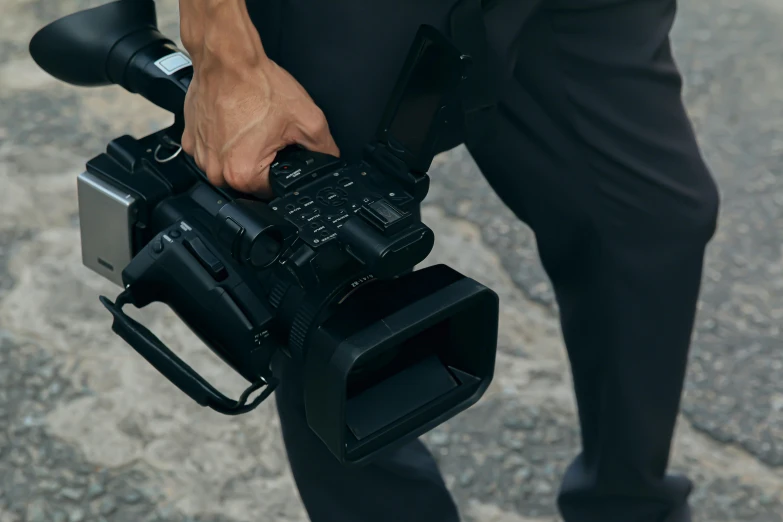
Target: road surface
<point x="90" y="432"/>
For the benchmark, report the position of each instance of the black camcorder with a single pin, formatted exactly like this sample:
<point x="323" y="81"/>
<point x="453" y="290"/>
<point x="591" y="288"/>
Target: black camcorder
<point x="322" y="273"/>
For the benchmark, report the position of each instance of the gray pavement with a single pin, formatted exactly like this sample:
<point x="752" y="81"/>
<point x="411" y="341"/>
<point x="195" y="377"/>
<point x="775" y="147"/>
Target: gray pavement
<point x="88" y="432"/>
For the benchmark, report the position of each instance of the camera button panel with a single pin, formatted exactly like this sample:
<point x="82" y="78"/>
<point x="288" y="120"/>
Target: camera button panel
<point x="320" y="233"/>
<point x="320" y="205"/>
<point x="334" y="197"/>
<point x="300" y="167"/>
<point x="309" y="216"/>
<point x="337" y="217"/>
<point x="282" y="168"/>
<point x="286" y="179"/>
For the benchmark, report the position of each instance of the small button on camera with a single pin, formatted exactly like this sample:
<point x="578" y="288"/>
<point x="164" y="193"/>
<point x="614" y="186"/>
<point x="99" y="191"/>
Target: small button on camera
<point x="292" y="209"/>
<point x="332" y="197"/>
<point x="337" y="216"/>
<point x="282" y="168"/>
<point x="175" y="233"/>
<point x="157" y="246"/>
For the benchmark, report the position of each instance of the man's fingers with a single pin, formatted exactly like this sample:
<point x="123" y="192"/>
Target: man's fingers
<point x="213" y="170"/>
<point x="260" y="186"/>
<point x="208" y="163"/>
<point x="245" y="175"/>
<point x="255" y="181"/>
<point x="188" y="143"/>
<point x="330" y="146"/>
<point x="264" y="190"/>
<point x="323" y="142"/>
<point x="314" y="134"/>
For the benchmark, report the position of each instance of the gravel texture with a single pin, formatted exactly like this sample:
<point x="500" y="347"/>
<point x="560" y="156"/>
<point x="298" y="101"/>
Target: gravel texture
<point x="88" y="432"/>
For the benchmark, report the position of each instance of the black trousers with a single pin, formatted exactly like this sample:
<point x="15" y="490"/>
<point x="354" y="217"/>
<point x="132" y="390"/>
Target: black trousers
<point x="595" y="152"/>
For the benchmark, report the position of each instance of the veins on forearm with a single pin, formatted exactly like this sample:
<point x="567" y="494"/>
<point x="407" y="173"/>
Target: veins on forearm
<point x="222" y="29"/>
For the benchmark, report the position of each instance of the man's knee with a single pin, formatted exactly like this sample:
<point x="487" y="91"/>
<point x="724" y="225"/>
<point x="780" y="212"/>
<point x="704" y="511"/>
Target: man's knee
<point x="697" y="215"/>
<point x="702" y="218"/>
<point x="682" y="210"/>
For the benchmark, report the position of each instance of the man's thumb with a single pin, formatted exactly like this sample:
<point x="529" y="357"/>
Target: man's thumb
<point x="319" y="140"/>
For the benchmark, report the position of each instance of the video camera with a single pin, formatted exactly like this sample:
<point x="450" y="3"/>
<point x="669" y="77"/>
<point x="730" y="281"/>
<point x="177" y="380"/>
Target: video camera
<point x="322" y="273"/>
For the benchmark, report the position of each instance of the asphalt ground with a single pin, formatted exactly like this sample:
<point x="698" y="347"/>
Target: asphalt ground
<point x="89" y="432"/>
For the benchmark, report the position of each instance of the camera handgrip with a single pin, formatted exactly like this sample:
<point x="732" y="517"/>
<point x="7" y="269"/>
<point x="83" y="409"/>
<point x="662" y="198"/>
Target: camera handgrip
<point x="149" y="346"/>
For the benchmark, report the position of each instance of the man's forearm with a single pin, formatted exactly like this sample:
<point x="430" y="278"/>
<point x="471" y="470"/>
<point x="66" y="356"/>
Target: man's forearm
<point x="220" y="28"/>
<point x="241" y="107"/>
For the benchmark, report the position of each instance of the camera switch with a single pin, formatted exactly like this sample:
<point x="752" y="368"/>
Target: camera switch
<point x="207" y="259"/>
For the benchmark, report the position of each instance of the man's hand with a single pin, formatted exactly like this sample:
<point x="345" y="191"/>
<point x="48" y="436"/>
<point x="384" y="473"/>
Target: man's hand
<point x="241" y="107"/>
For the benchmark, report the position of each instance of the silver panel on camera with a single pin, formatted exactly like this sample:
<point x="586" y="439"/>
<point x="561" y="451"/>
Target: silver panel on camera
<point x="107" y="215"/>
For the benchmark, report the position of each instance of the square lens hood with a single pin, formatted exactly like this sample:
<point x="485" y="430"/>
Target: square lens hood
<point x="398" y="359"/>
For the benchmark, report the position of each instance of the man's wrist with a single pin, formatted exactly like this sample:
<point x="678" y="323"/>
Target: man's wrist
<point x="222" y="31"/>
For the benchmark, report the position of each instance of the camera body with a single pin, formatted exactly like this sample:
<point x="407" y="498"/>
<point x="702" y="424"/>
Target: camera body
<point x="322" y="273"/>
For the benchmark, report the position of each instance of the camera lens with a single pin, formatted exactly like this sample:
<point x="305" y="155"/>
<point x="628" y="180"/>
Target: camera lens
<point x="393" y="355"/>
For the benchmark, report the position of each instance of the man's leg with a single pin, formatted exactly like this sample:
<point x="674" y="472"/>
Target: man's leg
<point x="403" y="485"/>
<point x="347" y="54"/>
<point x="595" y="152"/>
<point x="622" y="206"/>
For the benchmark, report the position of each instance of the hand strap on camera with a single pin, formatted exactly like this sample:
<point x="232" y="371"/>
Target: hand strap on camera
<point x="149" y="346"/>
<point x="479" y="95"/>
